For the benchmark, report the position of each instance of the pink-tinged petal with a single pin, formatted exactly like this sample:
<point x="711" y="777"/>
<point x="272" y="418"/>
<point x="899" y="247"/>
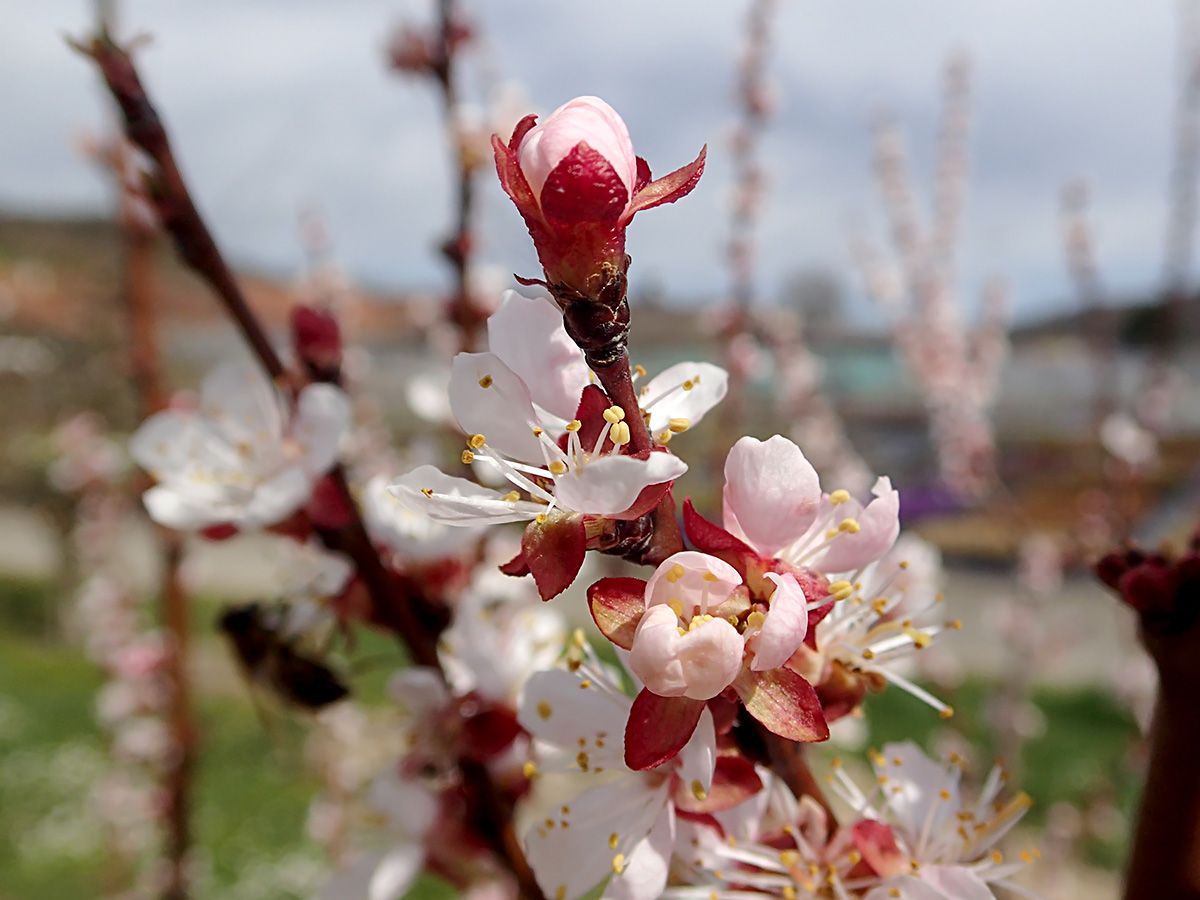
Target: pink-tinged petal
<point x="542" y="148"/>
<point x="669" y="188"/>
<point x="654" y="652"/>
<point x="583" y="188"/>
<point x="644" y="875"/>
<point x="784" y="626"/>
<point x="698" y="758"/>
<point x="877" y="844"/>
<point x="878" y="528"/>
<point x="658" y="728"/>
<point x="611" y="484"/>
<point x="553" y="551"/>
<point x="715" y="540"/>
<point x="617" y="605"/>
<point x="690" y="577"/>
<point x="711" y="656"/>
<point x="163" y="444"/>
<point x="444" y="498"/>
<point x="527" y="333"/>
<point x="772" y="491"/>
<point x="784" y="702"/>
<point x="709" y="384"/>
<point x="735" y="780"/>
<point x="489" y="398"/>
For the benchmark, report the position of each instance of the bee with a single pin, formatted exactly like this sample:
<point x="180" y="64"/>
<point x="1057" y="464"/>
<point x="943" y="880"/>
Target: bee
<point x="270" y="659"/>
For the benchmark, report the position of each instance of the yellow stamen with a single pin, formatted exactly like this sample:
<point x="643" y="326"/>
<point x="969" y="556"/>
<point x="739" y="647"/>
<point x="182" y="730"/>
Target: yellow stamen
<point x="477" y="441"/>
<point x="678" y="425"/>
<point x="574" y="425"/>
<point x="486" y="381"/>
<point x="840" y="496"/>
<point x="467" y="457"/>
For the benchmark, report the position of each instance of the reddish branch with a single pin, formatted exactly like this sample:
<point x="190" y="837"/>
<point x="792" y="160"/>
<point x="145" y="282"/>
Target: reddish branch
<point x="196" y="246"/>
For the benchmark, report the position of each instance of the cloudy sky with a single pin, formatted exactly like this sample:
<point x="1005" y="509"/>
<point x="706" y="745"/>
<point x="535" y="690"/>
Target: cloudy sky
<point x="280" y="106"/>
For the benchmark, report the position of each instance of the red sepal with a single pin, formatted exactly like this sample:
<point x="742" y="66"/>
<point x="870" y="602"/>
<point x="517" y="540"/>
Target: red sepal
<point x="222" y="532"/>
<point x="516" y="567"/>
<point x="734" y="781"/>
<point x="487" y="729"/>
<point x="590" y="413"/>
<point x="669" y="188"/>
<point x="553" y="551"/>
<point x="705" y="819"/>
<point x="583" y="188"/>
<point x="784" y="702"/>
<point x="318" y="341"/>
<point x="523" y="128"/>
<point x="617" y="605"/>
<point x="643" y="175"/>
<point x="329" y="507"/>
<point x="708" y="537"/>
<point x="658" y="727"/>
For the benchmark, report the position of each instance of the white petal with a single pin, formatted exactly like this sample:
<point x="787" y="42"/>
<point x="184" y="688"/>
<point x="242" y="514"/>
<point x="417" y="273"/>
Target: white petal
<point x="784" y="627"/>
<point x="571" y="860"/>
<point x="654" y="656"/>
<point x="502" y="412"/>
<point x="243" y="403"/>
<point x="410" y="533"/>
<point x="353" y="881"/>
<point x="957" y="882"/>
<point x="909" y="887"/>
<point x="178" y="510"/>
<point x="647" y="866"/>
<point x="162" y="444"/>
<point x="709" y="384"/>
<point x="557" y="710"/>
<point x="609" y="485"/>
<point x="322" y="418"/>
<point x="396" y="872"/>
<point x="276" y="499"/>
<point x="410" y="807"/>
<point x="527" y="333"/>
<point x="698" y="758"/>
<point x="772" y="491"/>
<point x="456" y="501"/>
<point x="915" y="785"/>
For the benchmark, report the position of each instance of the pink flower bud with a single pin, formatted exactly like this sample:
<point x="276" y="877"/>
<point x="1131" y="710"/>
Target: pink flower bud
<point x="577" y="183"/>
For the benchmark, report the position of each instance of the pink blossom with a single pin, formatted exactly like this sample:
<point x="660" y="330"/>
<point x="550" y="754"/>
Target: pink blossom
<point x="585" y="122"/>
<point x="680" y="649"/>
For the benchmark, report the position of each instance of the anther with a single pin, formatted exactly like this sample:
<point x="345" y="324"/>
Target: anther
<point x="477" y="441"/>
<point x="840" y="496"/>
<point x="574" y="425"/>
<point x="678" y="425"/>
<point x="486" y="381"/>
<point x="467" y="457"/>
<point x="619" y="434"/>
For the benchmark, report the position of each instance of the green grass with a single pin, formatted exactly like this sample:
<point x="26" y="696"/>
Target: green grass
<point x="252" y="790"/>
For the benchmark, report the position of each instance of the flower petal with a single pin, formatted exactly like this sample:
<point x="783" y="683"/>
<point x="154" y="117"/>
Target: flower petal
<point x="557" y="710"/>
<point x="488" y="398"/>
<point x="878" y="528"/>
<point x="785" y="625"/>
<point x="709" y="384"/>
<point x="698" y="758"/>
<point x="645" y="870"/>
<point x="573" y="851"/>
<point x="527" y="333"/>
<point x="456" y="501"/>
<point x="772" y="492"/>
<point x="610" y="484"/>
<point x="692" y="579"/>
<point x="322" y="418"/>
<point x="654" y="654"/>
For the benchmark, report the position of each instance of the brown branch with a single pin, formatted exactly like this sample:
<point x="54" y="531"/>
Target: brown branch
<point x="173" y="201"/>
<point x="195" y="244"/>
